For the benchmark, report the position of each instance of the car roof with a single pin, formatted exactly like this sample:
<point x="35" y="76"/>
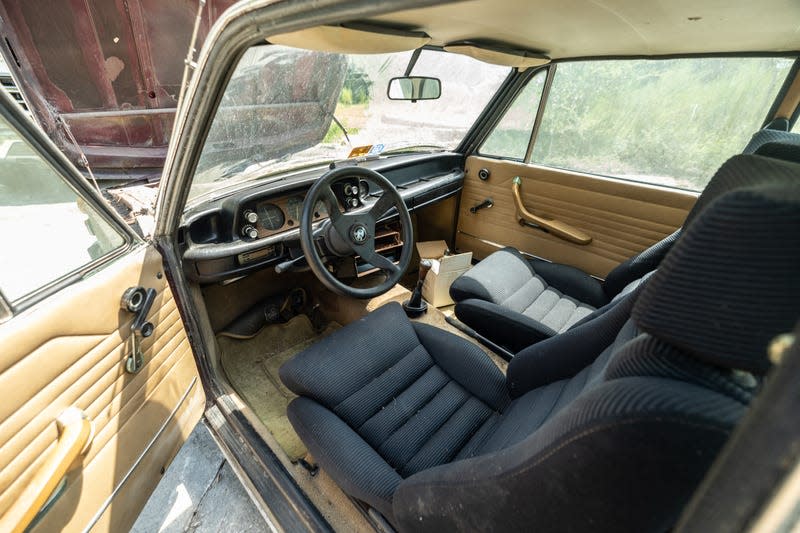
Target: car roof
<point x="562" y="29"/>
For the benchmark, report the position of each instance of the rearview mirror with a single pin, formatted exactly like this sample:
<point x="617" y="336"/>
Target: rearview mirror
<point x="414" y="88"/>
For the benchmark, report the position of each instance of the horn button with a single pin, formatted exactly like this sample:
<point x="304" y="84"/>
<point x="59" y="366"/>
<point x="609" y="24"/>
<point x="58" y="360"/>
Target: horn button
<point x="359" y="234"/>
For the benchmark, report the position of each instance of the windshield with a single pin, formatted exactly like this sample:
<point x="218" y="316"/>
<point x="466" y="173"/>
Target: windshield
<point x="286" y="108"/>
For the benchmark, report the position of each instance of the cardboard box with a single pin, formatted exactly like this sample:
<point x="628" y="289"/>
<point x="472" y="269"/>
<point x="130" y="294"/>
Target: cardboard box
<point x="445" y="270"/>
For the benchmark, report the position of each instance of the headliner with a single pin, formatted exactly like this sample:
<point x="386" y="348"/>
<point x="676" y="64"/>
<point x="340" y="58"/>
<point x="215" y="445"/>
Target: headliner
<point x="592" y="28"/>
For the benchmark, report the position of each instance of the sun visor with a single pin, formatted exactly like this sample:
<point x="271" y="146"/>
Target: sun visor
<point x="517" y="58"/>
<point x="350" y="41"/>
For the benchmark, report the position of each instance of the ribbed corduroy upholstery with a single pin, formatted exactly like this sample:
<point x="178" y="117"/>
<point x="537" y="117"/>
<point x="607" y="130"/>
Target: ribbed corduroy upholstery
<point x="783" y="151"/>
<point x="413" y="395"/>
<point x="744" y="171"/>
<point x="607" y="427"/>
<point x="767" y="136"/>
<point x="430" y="397"/>
<point x="638" y="266"/>
<point x="772" y="229"/>
<point x="515" y="301"/>
<point x="625" y="453"/>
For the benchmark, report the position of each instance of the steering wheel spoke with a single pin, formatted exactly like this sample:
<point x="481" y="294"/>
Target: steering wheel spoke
<point x="342" y="223"/>
<point x="381" y="206"/>
<point x="327" y="195"/>
<point x="371" y="256"/>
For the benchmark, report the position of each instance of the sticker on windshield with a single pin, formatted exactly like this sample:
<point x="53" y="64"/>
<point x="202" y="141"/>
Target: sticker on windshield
<point x="360" y="151"/>
<point x="376" y="149"/>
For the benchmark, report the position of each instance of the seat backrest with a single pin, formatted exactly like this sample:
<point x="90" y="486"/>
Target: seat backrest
<point x="626" y="454"/>
<point x="771" y="135"/>
<point x="638" y="266"/>
<point x="781" y="150"/>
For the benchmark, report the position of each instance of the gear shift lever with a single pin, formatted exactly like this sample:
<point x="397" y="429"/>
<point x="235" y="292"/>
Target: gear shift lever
<point x="415" y="306"/>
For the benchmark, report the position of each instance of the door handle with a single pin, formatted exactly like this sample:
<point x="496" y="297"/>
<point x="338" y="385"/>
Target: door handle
<point x="75" y="432"/>
<point x="138" y="301"/>
<point x="557" y="228"/>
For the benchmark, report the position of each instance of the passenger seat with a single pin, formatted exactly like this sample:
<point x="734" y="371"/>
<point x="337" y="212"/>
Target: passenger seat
<point x="516" y="301"/>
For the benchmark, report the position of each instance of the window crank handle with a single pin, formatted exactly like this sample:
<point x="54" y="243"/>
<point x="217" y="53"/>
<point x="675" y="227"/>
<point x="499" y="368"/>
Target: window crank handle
<point x="486" y="204"/>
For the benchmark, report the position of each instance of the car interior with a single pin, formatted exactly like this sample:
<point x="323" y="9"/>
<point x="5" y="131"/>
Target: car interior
<point x="589" y="366"/>
<point x="415" y="265"/>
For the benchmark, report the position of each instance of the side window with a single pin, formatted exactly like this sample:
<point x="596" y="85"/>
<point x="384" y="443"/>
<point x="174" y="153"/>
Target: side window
<point x="669" y="122"/>
<point x="509" y="139"/>
<point x="47" y="231"/>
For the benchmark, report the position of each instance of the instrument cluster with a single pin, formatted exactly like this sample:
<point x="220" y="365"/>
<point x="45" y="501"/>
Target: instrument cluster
<point x="274" y="215"/>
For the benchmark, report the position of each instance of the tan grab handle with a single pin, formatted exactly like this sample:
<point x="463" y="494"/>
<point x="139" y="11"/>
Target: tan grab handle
<point x="559" y="229"/>
<point x="75" y="433"/>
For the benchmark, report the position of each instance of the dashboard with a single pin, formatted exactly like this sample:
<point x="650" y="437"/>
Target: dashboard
<point x="258" y="227"/>
<point x="274" y="215"/>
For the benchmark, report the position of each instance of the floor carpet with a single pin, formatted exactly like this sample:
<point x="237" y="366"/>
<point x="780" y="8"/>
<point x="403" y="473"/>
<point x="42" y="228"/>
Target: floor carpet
<point x="252" y="368"/>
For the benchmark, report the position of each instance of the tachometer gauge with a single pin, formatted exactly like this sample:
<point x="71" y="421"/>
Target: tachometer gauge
<point x="270" y="216"/>
<point x="294" y="208"/>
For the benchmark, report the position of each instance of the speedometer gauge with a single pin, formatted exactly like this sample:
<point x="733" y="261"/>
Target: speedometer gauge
<point x="270" y="216"/>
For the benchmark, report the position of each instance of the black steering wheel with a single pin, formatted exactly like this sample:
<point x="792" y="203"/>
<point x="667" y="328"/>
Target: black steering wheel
<point x="352" y="231"/>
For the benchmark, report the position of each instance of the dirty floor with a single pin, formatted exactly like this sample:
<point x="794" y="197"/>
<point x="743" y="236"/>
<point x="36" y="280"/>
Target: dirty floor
<point x="200" y="493"/>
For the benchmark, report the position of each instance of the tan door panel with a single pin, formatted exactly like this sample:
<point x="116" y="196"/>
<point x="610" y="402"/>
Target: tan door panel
<point x="69" y="351"/>
<point x="621" y="217"/>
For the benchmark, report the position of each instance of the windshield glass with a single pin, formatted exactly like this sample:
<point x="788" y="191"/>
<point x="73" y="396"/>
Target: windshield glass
<point x="286" y="109"/>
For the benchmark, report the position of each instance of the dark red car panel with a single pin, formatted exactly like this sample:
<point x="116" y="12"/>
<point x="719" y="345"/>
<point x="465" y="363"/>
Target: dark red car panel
<point x="111" y="69"/>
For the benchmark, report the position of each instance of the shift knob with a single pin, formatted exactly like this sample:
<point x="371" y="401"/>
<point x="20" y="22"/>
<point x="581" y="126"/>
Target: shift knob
<point x="415" y="305"/>
<point x="424" y="267"/>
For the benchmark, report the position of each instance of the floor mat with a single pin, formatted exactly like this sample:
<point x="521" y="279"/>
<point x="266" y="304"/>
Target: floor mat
<point x="252" y="368"/>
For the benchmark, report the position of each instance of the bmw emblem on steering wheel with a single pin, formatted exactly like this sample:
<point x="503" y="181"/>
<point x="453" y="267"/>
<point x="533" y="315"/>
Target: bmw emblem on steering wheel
<point x="358" y="233"/>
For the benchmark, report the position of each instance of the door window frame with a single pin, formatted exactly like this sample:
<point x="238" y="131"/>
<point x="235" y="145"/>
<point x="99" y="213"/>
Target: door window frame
<point x="498" y="106"/>
<point x="52" y="155"/>
<point x="496" y="109"/>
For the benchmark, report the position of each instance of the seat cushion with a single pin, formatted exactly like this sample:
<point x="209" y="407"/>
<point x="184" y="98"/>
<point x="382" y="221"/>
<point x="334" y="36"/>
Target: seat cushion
<point x="515" y="301"/>
<point x="541" y="302"/>
<point x="409" y="395"/>
<point x="513" y="331"/>
<point x="505" y="278"/>
<point x="420" y="398"/>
